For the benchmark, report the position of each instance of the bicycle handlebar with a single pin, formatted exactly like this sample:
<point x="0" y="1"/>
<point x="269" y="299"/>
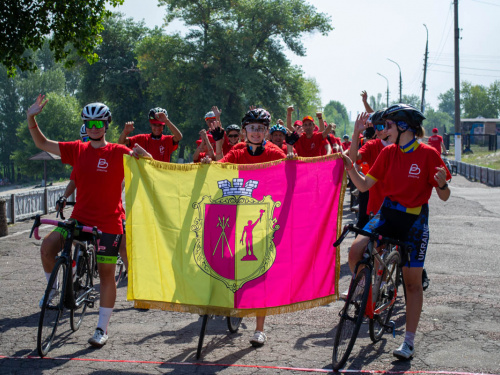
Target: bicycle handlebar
<point x="373" y="236"/>
<point x="61" y="224"/>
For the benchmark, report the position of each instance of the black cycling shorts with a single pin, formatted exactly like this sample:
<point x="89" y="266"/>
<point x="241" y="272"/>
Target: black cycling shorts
<point x="394" y="220"/>
<point x="109" y="244"/>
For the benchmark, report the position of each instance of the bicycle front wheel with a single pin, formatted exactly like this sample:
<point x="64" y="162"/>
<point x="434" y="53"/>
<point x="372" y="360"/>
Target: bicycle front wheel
<point x="386" y="297"/>
<point x="52" y="308"/>
<point x="81" y="287"/>
<point x="351" y="317"/>
<point x="233" y="323"/>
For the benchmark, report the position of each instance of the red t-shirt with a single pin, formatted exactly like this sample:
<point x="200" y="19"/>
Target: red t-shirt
<point x="334" y="140"/>
<point x="98" y="177"/>
<point x="369" y="153"/>
<point x="408" y="177"/>
<point x="309" y="147"/>
<point x="435" y="141"/>
<point x="161" y="149"/>
<point x="240" y="154"/>
<point x="346" y="145"/>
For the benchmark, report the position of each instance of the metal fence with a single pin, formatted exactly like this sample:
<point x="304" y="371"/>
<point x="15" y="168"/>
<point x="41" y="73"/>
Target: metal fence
<point x="485" y="175"/>
<point x="20" y="206"/>
<point x="473" y="142"/>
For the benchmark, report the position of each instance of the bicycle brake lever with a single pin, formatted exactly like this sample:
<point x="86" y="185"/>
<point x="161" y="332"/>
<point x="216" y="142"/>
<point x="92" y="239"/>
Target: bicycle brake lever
<point x="34" y="228"/>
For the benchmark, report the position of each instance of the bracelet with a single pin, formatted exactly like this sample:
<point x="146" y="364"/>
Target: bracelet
<point x="352" y="166"/>
<point x="33" y="127"/>
<point x="444" y="186"/>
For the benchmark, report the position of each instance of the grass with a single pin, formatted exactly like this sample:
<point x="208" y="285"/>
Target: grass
<point x="480" y="157"/>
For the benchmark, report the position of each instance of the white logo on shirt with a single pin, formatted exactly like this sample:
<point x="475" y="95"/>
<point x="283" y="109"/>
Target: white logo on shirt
<point x="103" y="164"/>
<point x="162" y="150"/>
<point x="312" y="145"/>
<point x="414" y="170"/>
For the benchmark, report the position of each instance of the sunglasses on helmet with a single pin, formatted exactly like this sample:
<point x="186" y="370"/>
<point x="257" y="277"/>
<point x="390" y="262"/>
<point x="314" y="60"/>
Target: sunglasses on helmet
<point x="98" y="124"/>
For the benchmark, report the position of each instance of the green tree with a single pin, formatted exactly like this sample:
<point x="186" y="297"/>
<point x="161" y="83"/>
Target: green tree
<point x="233" y="57"/>
<point x="437" y="119"/>
<point x="478" y="100"/>
<point x="115" y="79"/>
<point x="379" y="103"/>
<point x="337" y="113"/>
<point x="447" y="103"/>
<point x="27" y="24"/>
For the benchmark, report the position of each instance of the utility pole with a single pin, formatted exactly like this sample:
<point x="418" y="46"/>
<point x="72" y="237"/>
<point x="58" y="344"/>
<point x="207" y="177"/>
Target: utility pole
<point x="422" y="104"/>
<point x="458" y="130"/>
<point x="400" y="81"/>
<point x="387" y="88"/>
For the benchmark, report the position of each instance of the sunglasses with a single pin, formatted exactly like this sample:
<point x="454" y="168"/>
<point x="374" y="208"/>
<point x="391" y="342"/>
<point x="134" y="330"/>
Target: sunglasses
<point x="85" y="139"/>
<point x="389" y="123"/>
<point x="379" y="127"/>
<point x="255" y="129"/>
<point x="98" y="124"/>
<point x="233" y="136"/>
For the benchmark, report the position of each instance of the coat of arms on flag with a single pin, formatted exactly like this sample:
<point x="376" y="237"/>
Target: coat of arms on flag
<point x="234" y="234"/>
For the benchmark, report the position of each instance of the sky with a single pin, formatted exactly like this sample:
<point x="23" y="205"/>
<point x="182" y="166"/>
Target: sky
<point x="369" y="32"/>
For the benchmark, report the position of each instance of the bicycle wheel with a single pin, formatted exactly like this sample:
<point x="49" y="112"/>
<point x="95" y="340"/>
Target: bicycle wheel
<point x="81" y="287"/>
<point x="52" y="308"/>
<point x="351" y="317"/>
<point x="388" y="290"/>
<point x="233" y="323"/>
<point x="202" y="336"/>
<point x="120" y="269"/>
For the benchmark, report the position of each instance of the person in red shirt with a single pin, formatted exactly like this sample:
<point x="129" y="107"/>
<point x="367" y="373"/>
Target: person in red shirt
<point x="156" y="143"/>
<point x="310" y="143"/>
<point x="278" y="136"/>
<point x="436" y="141"/>
<point x="98" y="172"/>
<point x="409" y="171"/>
<point x="255" y="125"/>
<point x="346" y="144"/>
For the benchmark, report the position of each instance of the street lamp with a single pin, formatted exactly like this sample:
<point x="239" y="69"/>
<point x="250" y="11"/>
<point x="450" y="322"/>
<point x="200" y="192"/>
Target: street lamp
<point x="387" y="88"/>
<point x="400" y="81"/>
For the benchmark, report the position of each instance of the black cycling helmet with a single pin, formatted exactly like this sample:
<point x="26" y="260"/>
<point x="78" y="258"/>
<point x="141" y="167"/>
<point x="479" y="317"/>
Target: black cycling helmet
<point x="96" y="111"/>
<point x="405" y="116"/>
<point x="154" y="111"/>
<point x="258" y="115"/>
<point x="233" y="127"/>
<point x="376" y="118"/>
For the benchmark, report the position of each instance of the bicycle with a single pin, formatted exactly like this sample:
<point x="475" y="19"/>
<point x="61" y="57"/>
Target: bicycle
<point x="384" y="265"/>
<point x="451" y="168"/>
<point x="71" y="283"/>
<point x="120" y="266"/>
<point x="233" y="324"/>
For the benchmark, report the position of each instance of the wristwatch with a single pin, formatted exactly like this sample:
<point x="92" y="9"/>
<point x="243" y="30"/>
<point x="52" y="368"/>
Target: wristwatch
<point x="444" y="186"/>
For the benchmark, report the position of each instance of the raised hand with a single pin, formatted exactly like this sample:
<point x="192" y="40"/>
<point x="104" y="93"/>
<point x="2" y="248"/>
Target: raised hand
<point x="37" y="107"/>
<point x="360" y="125"/>
<point x="364" y="96"/>
<point x="217" y="112"/>
<point x="160" y="116"/>
<point x="129" y="127"/>
<point x="290" y="109"/>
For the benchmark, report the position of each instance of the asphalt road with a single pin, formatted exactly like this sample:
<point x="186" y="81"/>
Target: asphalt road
<point x="459" y="329"/>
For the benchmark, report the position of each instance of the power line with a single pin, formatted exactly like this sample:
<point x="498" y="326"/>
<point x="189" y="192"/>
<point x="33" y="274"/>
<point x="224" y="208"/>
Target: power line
<point x="465" y="74"/>
<point x="464" y="67"/>
<point x="486" y="2"/>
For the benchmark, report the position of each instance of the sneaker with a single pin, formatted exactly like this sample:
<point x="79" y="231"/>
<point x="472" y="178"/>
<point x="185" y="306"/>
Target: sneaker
<point x="53" y="293"/>
<point x="99" y="339"/>
<point x="258" y="339"/>
<point x="344" y="294"/>
<point x="405" y="351"/>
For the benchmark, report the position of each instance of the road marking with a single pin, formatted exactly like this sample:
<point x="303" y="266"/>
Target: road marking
<point x="208" y="364"/>
<point x="24" y="231"/>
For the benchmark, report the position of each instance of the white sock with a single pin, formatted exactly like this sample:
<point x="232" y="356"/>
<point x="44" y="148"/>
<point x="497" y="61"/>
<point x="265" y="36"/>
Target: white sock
<point x="104" y="316"/>
<point x="47" y="275"/>
<point x="410" y="338"/>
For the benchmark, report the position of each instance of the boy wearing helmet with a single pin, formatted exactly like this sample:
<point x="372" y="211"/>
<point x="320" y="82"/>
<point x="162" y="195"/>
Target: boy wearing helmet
<point x="278" y="136"/>
<point x="98" y="169"/>
<point x="409" y="171"/>
<point x="160" y="146"/>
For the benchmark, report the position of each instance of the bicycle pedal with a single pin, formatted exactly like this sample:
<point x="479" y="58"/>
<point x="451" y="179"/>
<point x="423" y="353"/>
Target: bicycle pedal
<point x="391" y="328"/>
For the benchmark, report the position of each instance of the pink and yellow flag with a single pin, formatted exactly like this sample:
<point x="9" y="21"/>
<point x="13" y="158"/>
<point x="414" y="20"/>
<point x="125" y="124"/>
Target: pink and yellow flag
<point x="233" y="240"/>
